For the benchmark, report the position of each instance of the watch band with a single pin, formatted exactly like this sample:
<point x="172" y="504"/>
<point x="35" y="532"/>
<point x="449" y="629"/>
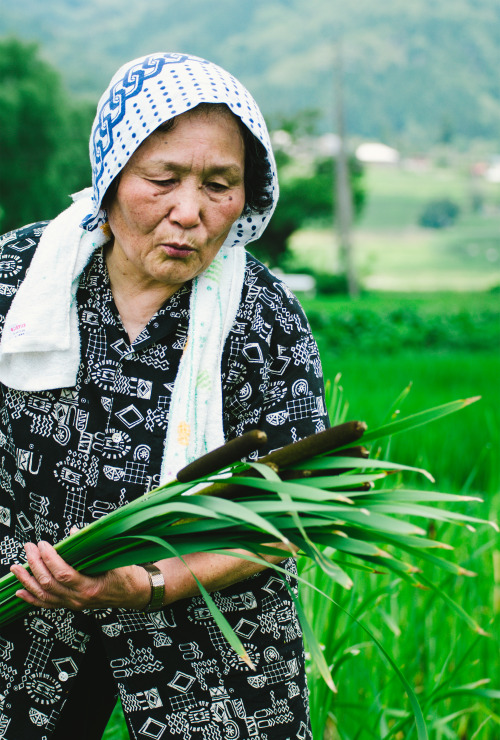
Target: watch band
<point x="157" y="583"/>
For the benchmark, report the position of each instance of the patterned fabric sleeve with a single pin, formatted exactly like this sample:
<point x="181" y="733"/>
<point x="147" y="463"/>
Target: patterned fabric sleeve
<point x="272" y="376"/>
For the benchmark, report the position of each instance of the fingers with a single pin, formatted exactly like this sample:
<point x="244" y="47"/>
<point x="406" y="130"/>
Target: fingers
<point x="33" y="593"/>
<point x="49" y="566"/>
<point x="52" y="582"/>
<point x="40" y="587"/>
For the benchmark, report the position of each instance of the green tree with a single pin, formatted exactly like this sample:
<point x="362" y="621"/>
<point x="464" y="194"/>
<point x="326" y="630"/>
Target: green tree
<point x="439" y="213"/>
<point x="304" y="199"/>
<point x="43" y="138"/>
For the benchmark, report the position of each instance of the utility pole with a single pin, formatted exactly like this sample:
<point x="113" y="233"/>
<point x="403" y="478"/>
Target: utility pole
<point x="343" y="200"/>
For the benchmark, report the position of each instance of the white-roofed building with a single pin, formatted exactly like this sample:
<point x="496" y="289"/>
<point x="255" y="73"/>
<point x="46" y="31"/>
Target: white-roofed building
<point x="374" y="152"/>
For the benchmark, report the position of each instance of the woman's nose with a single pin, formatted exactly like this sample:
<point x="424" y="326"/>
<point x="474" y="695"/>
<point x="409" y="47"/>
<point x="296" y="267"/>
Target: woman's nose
<point x="187" y="205"/>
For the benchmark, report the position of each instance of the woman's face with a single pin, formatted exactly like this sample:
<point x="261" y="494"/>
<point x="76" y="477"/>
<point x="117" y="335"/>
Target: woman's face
<point x="177" y="198"/>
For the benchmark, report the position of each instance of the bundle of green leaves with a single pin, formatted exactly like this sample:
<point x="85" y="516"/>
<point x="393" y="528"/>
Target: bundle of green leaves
<point x="332" y="502"/>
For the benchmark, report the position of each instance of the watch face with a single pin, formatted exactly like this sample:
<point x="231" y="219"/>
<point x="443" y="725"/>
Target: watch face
<point x="157" y="580"/>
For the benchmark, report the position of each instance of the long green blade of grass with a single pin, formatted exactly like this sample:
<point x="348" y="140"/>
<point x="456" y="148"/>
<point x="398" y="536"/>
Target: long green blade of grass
<point x="417" y="420"/>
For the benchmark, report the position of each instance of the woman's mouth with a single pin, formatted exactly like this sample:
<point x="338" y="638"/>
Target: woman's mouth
<point x="177" y="251"/>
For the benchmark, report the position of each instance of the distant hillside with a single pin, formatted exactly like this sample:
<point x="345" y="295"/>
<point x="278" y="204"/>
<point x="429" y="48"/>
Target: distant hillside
<point x="415" y="70"/>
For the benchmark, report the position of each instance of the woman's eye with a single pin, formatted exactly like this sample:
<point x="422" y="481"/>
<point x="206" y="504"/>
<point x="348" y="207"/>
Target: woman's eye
<point x="217" y="187"/>
<point x="163" y="183"/>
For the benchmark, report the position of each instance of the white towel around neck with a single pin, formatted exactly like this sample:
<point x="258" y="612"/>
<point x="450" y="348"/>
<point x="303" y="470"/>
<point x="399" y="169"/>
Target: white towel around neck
<point x="195" y="419"/>
<point x="40" y="346"/>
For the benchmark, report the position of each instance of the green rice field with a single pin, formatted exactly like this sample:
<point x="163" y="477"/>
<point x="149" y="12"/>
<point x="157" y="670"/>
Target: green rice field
<point x="436" y="650"/>
<point x="393" y="252"/>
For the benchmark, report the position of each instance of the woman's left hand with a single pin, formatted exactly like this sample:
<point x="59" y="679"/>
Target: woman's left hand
<point x="53" y="584"/>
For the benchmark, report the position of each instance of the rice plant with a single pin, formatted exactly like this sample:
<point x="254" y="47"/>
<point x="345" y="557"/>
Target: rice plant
<point x="449" y="667"/>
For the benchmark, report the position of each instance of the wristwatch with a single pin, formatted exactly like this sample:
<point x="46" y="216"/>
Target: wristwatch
<point x="157" y="583"/>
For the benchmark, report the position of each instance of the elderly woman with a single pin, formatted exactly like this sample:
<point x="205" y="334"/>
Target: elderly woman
<point x="142" y="336"/>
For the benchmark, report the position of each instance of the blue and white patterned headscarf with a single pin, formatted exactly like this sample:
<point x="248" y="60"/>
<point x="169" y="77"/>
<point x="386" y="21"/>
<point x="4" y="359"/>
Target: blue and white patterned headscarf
<point x="148" y="91"/>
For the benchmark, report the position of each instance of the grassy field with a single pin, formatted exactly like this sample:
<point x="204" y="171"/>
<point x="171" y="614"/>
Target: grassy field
<point x="453" y="449"/>
<point x="433" y="647"/>
<point x="437" y="652"/>
<point x="394" y="253"/>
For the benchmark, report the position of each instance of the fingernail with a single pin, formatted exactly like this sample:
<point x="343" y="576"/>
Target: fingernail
<point x="42" y="546"/>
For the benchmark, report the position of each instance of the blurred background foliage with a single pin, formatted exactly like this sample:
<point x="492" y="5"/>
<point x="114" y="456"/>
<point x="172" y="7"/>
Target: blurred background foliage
<point x="421" y="78"/>
<point x="44" y="137"/>
<point x="307" y="196"/>
<point x="427" y="71"/>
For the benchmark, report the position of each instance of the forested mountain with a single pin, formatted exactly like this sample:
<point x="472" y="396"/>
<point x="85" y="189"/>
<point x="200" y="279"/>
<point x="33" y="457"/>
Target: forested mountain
<point x="415" y="70"/>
